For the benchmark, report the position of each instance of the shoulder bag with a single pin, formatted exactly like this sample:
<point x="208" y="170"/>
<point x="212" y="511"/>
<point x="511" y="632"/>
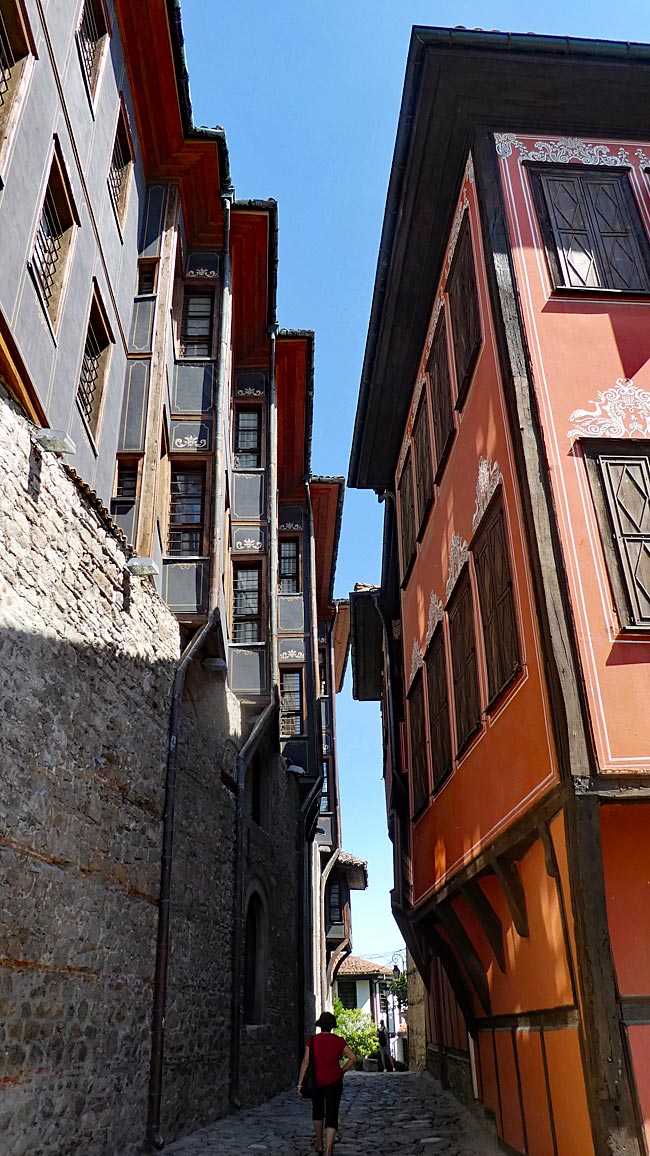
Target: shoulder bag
<point x="309" y="1078"/>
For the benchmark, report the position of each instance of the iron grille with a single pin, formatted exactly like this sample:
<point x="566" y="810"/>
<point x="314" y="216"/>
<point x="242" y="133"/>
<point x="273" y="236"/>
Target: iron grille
<point x="47" y="246"/>
<point x="117" y="173"/>
<point x="186" y="512"/>
<point x="248" y="441"/>
<point x="196" y="326"/>
<point x="288" y="566"/>
<point x="246" y="608"/>
<point x="88" y="390"/>
<point x="127" y="481"/>
<point x="146" y="280"/>
<point x="89" y="36"/>
<point x="7" y="60"/>
<point x="291" y="703"/>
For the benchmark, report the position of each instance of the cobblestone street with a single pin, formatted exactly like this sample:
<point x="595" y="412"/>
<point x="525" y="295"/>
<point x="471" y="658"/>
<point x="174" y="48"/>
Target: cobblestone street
<point x="380" y="1114"/>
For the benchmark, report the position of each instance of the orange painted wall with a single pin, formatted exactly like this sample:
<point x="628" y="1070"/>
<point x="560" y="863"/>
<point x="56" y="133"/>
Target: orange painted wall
<point x="534" y="1093"/>
<point x="625" y="834"/>
<point x="580" y="347"/>
<point x="639" y="1042"/>
<point x="511" y="1117"/>
<point x="512" y="762"/>
<point x="568" y="1096"/>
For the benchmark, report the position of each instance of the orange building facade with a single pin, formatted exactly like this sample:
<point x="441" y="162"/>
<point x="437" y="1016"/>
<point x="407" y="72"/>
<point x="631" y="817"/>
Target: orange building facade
<point x="503" y="419"/>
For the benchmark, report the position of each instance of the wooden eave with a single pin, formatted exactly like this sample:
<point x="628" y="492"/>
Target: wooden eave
<point x="327" y="501"/>
<point x="294" y="359"/>
<point x="366" y="645"/>
<point x="171" y="150"/>
<point x="250" y="245"/>
<point x="341" y="641"/>
<point x="457" y="83"/>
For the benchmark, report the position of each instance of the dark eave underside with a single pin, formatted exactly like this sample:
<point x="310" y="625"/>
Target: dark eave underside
<point x="457" y="83"/>
<point x="366" y="639"/>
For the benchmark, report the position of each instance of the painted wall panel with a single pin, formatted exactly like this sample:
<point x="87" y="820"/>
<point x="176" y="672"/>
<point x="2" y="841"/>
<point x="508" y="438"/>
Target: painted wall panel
<point x="489" y="1076"/>
<point x="513" y="1129"/>
<point x="639" y="1040"/>
<point x="568" y="1097"/>
<point x="625" y="833"/>
<point x="534" y="1094"/>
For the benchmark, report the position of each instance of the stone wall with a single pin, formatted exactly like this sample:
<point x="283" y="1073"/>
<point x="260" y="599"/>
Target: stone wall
<point x="417" y="997"/>
<point x="87" y="661"/>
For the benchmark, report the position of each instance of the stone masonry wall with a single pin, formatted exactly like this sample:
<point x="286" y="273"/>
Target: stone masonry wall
<point x="87" y="661"/>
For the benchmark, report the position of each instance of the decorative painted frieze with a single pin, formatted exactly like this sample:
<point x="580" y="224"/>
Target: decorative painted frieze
<point x="191" y="435"/>
<point x="457" y="558"/>
<point x="643" y="157"/>
<point x="397" y="628"/>
<point x="291" y="650"/>
<point x="290" y="526"/>
<point x="618" y="412"/>
<point x="489" y="477"/>
<point x="416" y="660"/>
<point x="436" y="611"/>
<point x="563" y="151"/>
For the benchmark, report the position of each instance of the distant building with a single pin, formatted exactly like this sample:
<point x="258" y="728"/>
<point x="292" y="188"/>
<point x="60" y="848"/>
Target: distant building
<point x="365" y="985"/>
<point x="171" y="646"/>
<point x="504" y="418"/>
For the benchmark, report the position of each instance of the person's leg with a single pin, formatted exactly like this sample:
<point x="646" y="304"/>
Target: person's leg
<point x="332" y="1101"/>
<point x="318" y="1117"/>
<point x="318" y="1132"/>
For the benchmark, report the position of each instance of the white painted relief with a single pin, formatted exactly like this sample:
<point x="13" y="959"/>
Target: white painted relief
<point x="436" y="611"/>
<point x="563" y="151"/>
<point x="416" y="660"/>
<point x="489" y="477"/>
<point x="457" y="558"/>
<point x="618" y="412"/>
<point x="248" y="544"/>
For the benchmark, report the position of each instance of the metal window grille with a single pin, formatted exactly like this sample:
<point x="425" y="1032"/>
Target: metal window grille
<point x="335" y="903"/>
<point x="186" y="512"/>
<point x="47" y="246"/>
<point x="7" y="60"/>
<point x="324" y="799"/>
<point x="196" y="325"/>
<point x="290" y="702"/>
<point x="289" y="566"/>
<point x="88" y="389"/>
<point x="127" y="481"/>
<point x="347" y="992"/>
<point x="119" y="168"/>
<point x="248" y="454"/>
<point x="89" y="36"/>
<point x="146" y="280"/>
<point x="246" y="604"/>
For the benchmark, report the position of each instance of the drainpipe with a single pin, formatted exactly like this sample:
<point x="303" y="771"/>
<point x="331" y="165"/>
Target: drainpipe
<point x="243" y="759"/>
<point x="164" y="903"/>
<point x="273" y="513"/>
<point x="225" y="328"/>
<point x="325" y="874"/>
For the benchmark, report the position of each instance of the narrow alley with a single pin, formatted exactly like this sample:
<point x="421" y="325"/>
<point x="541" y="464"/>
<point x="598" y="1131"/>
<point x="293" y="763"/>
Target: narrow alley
<point x="403" y="1112"/>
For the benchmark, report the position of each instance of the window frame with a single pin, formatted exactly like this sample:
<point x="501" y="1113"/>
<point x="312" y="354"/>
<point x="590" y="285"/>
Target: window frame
<point x="97" y="324"/>
<point x="18" y="72"/>
<point x="187" y="526"/>
<point x="123" y="139"/>
<point x="594" y="450"/>
<point x="420" y="775"/>
<point x="300" y="713"/>
<point x="440" y="350"/>
<point x="494" y="513"/>
<point x="464" y="244"/>
<point x="407" y="563"/>
<point x="424" y="495"/>
<point x="189" y="291"/>
<point x="238" y="452"/>
<point x="238" y="567"/>
<point x="538" y="175"/>
<point x="102" y="24"/>
<point x="438" y="640"/>
<point x="462" y="587"/>
<point x="59" y="191"/>
<point x="285" y="539"/>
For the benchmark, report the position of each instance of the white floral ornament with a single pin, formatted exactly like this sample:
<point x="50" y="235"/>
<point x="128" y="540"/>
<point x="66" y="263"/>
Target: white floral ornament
<point x="436" y="611"/>
<point x="618" y="412"/>
<point x="249" y="544"/>
<point x="562" y="151"/>
<point x="457" y="558"/>
<point x="489" y="477"/>
<point x="416" y="660"/>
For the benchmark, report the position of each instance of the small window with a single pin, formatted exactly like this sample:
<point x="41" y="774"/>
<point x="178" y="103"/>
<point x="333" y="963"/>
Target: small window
<point x="186" y="512"/>
<point x="407" y="517"/>
<point x="53" y="237"/>
<point x="255" y="962"/>
<point x="291" y="703"/>
<point x="289" y="566"/>
<point x="196" y="325"/>
<point x="14" y="50"/>
<point x="91" y="38"/>
<point x="620" y="481"/>
<point x="463" y="654"/>
<point x="334" y="903"/>
<point x="127" y="481"/>
<point x="248" y="438"/>
<point x="496" y="599"/>
<point x="422" y="460"/>
<point x="322" y="668"/>
<point x="591" y="227"/>
<point x="440" y="381"/>
<point x="465" y="315"/>
<point x="325" y="796"/>
<point x="438" y="703"/>
<point x="147" y="271"/>
<point x="247" y="611"/>
<point x="347" y="989"/>
<point x="419" y="766"/>
<point x="94" y="366"/>
<point x="120" y="167"/>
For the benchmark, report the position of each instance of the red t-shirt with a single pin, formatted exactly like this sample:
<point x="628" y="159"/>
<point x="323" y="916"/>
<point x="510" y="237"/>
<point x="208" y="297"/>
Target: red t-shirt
<point x="327" y="1050"/>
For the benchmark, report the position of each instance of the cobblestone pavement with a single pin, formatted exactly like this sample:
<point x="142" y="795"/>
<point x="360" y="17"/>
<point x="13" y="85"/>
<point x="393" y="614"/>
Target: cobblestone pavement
<point x="381" y="1113"/>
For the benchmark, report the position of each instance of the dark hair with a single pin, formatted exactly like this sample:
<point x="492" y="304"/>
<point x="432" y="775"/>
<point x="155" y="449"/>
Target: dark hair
<point x="326" y="1021"/>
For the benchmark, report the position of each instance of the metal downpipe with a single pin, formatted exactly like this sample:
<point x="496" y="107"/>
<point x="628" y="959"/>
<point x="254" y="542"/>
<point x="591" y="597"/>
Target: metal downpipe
<point x="225" y="326"/>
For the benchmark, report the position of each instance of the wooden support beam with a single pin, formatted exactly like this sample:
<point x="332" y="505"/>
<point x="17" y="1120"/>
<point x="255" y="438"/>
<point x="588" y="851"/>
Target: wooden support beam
<point x="552" y="869"/>
<point x="508" y="875"/>
<point x="488" y="919"/>
<point x="467" y="954"/>
<point x="459" y="984"/>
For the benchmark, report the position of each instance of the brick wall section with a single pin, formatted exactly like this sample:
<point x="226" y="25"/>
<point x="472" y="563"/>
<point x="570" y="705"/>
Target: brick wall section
<point x="84" y="708"/>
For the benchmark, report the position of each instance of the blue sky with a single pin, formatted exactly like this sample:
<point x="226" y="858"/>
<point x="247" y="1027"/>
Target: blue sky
<point x="309" y="95"/>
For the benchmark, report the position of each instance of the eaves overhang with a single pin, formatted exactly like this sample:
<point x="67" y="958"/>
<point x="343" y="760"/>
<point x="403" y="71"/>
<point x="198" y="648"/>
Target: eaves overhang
<point x="458" y="83"/>
<point x="366" y="644"/>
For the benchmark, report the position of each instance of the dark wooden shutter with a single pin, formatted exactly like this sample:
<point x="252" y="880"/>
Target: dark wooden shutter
<point x="626" y="484"/>
<point x="497" y="603"/>
<point x="463" y="654"/>
<point x="465" y="316"/>
<point x="437" y="698"/>
<point x="443" y="410"/>
<point x="419" y="767"/>
<point x="422" y="460"/>
<point x="407" y="516"/>
<point x="592" y="230"/>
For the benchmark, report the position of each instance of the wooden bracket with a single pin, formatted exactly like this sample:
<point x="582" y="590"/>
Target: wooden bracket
<point x="508" y="875"/>
<point x="467" y="954"/>
<point x="488" y="919"/>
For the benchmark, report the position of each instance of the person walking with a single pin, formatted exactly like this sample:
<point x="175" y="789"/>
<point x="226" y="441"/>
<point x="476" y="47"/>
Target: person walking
<point x="385" y="1058"/>
<point x="328" y="1050"/>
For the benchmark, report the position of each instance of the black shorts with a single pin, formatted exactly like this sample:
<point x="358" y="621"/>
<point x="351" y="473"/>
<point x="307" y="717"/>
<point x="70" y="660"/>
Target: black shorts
<point x="325" y="1103"/>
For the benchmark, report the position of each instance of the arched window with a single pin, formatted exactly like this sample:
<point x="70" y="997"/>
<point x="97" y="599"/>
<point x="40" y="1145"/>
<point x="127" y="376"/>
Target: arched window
<point x="254" y="961"/>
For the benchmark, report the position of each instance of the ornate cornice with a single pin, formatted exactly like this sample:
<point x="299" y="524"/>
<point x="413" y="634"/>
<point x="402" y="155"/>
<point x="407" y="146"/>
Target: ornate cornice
<point x="562" y="151"/>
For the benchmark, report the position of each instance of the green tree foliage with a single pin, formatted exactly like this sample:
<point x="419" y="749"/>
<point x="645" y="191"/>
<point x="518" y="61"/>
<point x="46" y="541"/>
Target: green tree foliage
<point x="399" y="988"/>
<point x="357" y="1029"/>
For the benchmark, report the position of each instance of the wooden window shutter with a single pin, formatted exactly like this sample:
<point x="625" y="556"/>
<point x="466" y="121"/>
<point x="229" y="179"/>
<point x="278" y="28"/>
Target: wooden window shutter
<point x="497" y="603"/>
<point x="422" y="460"/>
<point x="624" y="524"/>
<point x="592" y="230"/>
<point x="463" y="653"/>
<point x="407" y="516"/>
<point x="437" y="698"/>
<point x="419" y="767"/>
<point x="443" y="410"/>
<point x="465" y="315"/>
